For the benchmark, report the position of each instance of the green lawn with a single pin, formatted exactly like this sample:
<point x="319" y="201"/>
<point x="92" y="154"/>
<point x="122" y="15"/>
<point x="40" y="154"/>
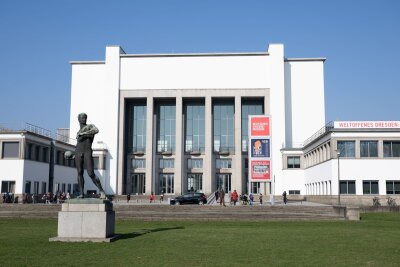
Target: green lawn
<point x="373" y="241"/>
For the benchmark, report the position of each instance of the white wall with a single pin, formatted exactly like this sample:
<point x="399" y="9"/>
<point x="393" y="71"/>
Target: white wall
<point x="13" y="170"/>
<point x="305" y="102"/>
<point x="293" y="179"/>
<point x="188" y="72"/>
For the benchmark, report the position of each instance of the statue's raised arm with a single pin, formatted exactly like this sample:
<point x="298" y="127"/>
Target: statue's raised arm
<point x="88" y="130"/>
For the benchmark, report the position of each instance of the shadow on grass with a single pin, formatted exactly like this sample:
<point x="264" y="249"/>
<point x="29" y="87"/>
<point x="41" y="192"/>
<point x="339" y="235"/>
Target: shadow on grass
<point x="147" y="231"/>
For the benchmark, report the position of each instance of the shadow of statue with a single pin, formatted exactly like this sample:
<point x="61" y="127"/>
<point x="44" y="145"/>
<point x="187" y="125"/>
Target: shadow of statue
<point x="147" y="231"/>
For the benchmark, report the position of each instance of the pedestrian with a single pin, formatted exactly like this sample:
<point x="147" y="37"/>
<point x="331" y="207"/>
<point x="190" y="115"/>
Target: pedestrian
<point x="162" y="196"/>
<point x="216" y="196"/>
<point x="251" y="197"/>
<point x="68" y="196"/>
<point x="234" y="197"/>
<point x="128" y="197"/>
<point x="222" y="198"/>
<point x="260" y="198"/>
<point x="151" y="197"/>
<point x="4" y="198"/>
<point x="284" y="197"/>
<point x="48" y="198"/>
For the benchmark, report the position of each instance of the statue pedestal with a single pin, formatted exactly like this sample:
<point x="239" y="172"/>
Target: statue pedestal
<point x="82" y="220"/>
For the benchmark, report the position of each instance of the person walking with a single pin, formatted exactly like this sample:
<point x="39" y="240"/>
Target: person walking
<point x="216" y="196"/>
<point x="284" y="197"/>
<point x="162" y="196"/>
<point x="260" y="198"/>
<point x="151" y="197"/>
<point x="251" y="197"/>
<point x="128" y="197"/>
<point x="234" y="197"/>
<point x="222" y="198"/>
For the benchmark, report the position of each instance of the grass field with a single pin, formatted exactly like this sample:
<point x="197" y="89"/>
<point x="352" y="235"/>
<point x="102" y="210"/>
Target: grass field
<point x="373" y="241"/>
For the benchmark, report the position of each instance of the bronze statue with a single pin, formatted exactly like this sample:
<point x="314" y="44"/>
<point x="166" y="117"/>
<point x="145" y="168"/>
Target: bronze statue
<point x="83" y="154"/>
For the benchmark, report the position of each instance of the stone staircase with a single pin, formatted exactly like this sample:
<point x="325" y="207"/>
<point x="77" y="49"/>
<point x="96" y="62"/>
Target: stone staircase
<point x="188" y="212"/>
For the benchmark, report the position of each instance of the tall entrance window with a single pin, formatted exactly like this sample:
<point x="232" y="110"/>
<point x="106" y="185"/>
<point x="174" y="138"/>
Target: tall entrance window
<point x="223" y="181"/>
<point x="137" y="127"/>
<point x="249" y="107"/>
<point x="8" y="186"/>
<point x="195" y="182"/>
<point x="166" y="129"/>
<point x="137" y="184"/>
<point x="166" y="183"/>
<point x="223" y="113"/>
<point x="194" y="127"/>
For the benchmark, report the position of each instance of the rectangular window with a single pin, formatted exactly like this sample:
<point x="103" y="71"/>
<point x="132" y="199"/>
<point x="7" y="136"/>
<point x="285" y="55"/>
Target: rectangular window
<point x="59" y="157"/>
<point x="76" y="190"/>
<point x="195" y="182"/>
<point x="96" y="163"/>
<point x="368" y="149"/>
<point x="223" y="115"/>
<point x="166" y="129"/>
<point x="10" y="150"/>
<point x="293" y="162"/>
<point x="27" y="187"/>
<point x="166" y="183"/>
<point x="346" y="148"/>
<point x="195" y="163"/>
<point x="223" y="163"/>
<point x="138" y="164"/>
<point x="7" y="186"/>
<point x="63" y="187"/>
<point x="137" y="127"/>
<point x="194" y="127"/>
<point x="392" y="187"/>
<point x="45" y="156"/>
<point x="36" y="187"/>
<point x="44" y="187"/>
<point x="347" y="187"/>
<point x="37" y="153"/>
<point x="69" y="188"/>
<point x="30" y="152"/>
<point x="370" y="187"/>
<point x="255" y="187"/>
<point x="167" y="163"/>
<point x="249" y="107"/>
<point x="391" y="149"/>
<point x="294" y="192"/>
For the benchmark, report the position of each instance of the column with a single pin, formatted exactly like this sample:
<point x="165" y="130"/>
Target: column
<point x="149" y="145"/>
<point x="178" y="148"/>
<point x="208" y="171"/>
<point x="237" y="159"/>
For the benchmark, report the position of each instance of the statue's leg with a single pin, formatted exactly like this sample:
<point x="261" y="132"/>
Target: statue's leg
<point x="81" y="179"/>
<point x="90" y="171"/>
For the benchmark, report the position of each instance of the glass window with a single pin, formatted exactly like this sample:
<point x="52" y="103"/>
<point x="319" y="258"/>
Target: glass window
<point x="7" y="186"/>
<point x="195" y="163"/>
<point x="166" y="183"/>
<point x="249" y="107"/>
<point x="392" y="187"/>
<point x="194" y="127"/>
<point x="167" y="163"/>
<point x="223" y="113"/>
<point x="36" y="187"/>
<point x="137" y="127"/>
<point x="166" y="128"/>
<point x="45" y="154"/>
<point x="255" y="187"/>
<point x="44" y="188"/>
<point x="10" y="150"/>
<point x="369" y="149"/>
<point x="30" y="152"/>
<point x="347" y="187"/>
<point x="370" y="187"/>
<point x="391" y="148"/>
<point x="37" y="153"/>
<point x="195" y="182"/>
<point x="27" y="187"/>
<point x="96" y="163"/>
<point x="294" y="192"/>
<point x="69" y="188"/>
<point x="223" y="163"/>
<point x="293" y="162"/>
<point x="346" y="148"/>
<point x="138" y="163"/>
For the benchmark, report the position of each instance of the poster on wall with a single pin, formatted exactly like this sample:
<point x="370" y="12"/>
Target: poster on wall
<point x="260" y="148"/>
<point x="260" y="170"/>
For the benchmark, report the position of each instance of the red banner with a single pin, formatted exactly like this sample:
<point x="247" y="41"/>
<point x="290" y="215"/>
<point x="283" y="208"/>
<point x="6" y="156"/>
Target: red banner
<point x="261" y="170"/>
<point x="259" y="126"/>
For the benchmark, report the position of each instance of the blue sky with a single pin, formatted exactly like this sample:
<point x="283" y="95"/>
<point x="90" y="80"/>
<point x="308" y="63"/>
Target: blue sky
<point x="360" y="39"/>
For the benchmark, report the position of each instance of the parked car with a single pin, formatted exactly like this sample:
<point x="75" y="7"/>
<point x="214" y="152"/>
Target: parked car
<point x="190" y="198"/>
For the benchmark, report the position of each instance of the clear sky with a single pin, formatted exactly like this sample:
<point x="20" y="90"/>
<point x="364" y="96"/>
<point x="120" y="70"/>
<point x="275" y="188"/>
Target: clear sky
<point x="360" y="39"/>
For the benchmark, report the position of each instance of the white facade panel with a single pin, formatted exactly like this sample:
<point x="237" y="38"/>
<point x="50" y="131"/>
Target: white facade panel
<point x="205" y="72"/>
<point x="13" y="170"/>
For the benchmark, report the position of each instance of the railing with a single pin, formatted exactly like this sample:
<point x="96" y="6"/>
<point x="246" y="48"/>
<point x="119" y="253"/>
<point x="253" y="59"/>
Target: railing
<point x="327" y="128"/>
<point x="18" y="127"/>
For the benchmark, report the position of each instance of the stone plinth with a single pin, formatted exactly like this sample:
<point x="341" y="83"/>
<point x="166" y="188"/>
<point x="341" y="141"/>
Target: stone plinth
<point x="86" y="220"/>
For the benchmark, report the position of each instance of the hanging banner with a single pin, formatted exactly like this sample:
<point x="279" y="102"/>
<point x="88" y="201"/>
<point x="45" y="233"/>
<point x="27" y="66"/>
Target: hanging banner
<point x="259" y="148"/>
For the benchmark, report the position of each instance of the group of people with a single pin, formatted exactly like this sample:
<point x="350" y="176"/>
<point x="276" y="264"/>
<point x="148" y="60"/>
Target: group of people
<point x="234" y="198"/>
<point x="8" y="197"/>
<point x="57" y="198"/>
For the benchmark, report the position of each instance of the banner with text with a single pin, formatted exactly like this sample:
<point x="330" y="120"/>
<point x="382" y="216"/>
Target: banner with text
<point x="259" y="148"/>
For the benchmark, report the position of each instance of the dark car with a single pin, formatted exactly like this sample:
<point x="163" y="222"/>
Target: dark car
<point x="190" y="198"/>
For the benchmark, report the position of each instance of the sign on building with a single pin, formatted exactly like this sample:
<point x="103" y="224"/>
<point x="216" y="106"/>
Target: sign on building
<point x="259" y="148"/>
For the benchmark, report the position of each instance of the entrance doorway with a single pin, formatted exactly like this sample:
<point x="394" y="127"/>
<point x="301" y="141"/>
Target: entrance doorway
<point x="223" y="181"/>
<point x="137" y="183"/>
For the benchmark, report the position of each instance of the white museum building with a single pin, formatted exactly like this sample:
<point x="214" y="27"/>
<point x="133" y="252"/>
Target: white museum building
<point x="174" y="123"/>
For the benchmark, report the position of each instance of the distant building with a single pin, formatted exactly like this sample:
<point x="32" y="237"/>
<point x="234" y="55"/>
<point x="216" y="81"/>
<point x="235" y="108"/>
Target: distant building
<point x="32" y="162"/>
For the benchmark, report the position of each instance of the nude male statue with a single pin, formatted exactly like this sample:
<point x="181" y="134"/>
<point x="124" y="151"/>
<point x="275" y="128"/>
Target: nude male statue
<point x="83" y="153"/>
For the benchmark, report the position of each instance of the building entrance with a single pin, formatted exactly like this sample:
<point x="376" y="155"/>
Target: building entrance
<point x="223" y="181"/>
<point x="137" y="183"/>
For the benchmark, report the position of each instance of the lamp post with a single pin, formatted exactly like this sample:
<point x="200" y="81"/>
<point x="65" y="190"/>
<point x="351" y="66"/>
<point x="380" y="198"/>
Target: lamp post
<point x="338" y="174"/>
